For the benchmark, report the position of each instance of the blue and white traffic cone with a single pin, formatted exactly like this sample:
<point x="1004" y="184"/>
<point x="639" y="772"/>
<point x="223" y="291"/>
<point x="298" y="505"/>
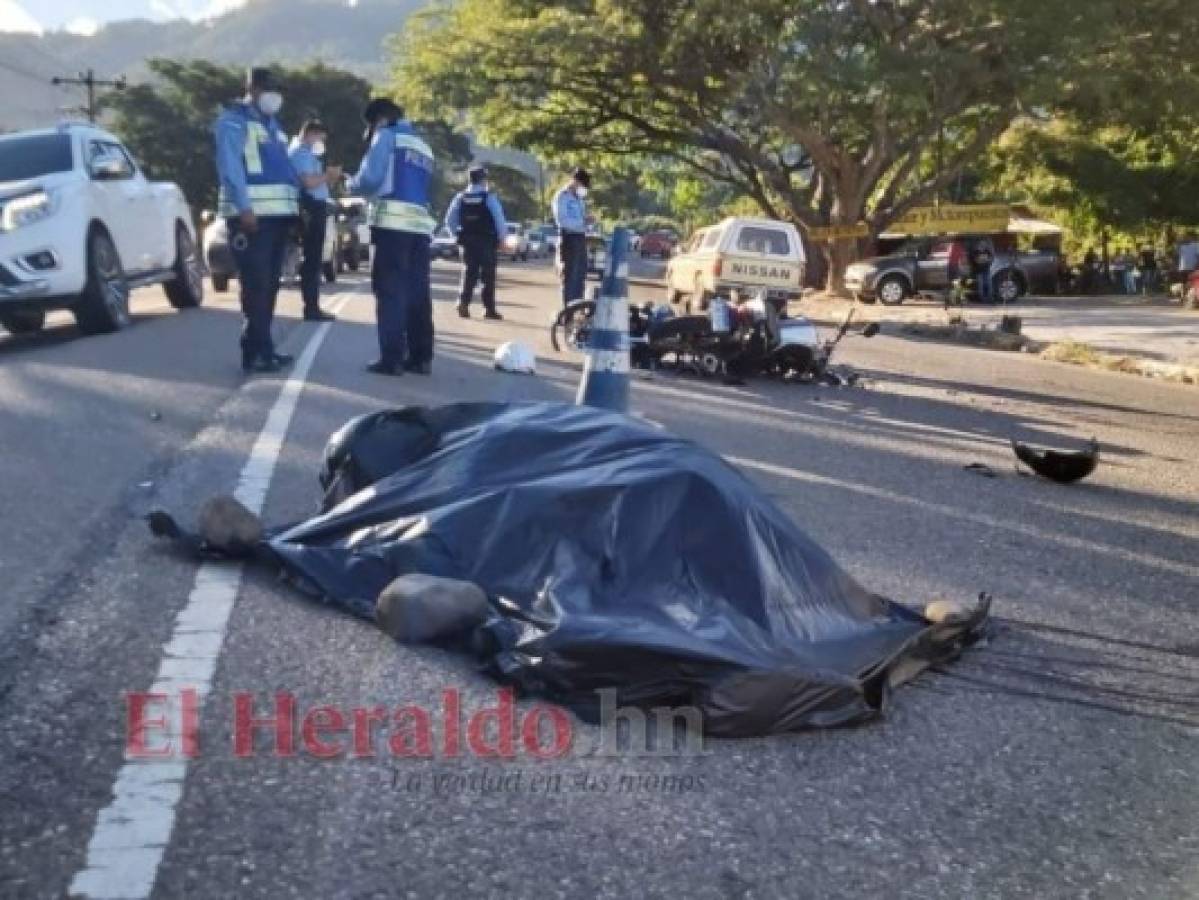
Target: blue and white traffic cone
<point x="605" y="381"/>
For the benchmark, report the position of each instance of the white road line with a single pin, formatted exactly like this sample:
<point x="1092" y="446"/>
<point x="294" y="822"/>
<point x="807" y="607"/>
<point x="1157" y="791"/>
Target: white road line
<point x="133" y="831"/>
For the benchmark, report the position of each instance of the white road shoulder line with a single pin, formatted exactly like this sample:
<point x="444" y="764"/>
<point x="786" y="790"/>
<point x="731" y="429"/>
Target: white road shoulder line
<point x="133" y="831"/>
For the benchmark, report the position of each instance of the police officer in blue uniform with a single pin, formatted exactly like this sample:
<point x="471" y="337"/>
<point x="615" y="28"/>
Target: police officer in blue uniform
<point x="306" y="152"/>
<point x="570" y="215"/>
<point x="395" y="174"/>
<point x="476" y="218"/>
<point x="259" y="196"/>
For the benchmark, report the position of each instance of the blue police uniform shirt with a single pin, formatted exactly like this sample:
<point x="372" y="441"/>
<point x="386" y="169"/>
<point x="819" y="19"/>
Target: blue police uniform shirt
<point x="395" y="174"/>
<point x="230" y="130"/>
<point x="308" y="163"/>
<point x="570" y="212"/>
<point x="377" y="176"/>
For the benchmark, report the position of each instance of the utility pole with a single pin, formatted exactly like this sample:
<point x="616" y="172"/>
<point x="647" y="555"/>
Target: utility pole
<point x="91" y="82"/>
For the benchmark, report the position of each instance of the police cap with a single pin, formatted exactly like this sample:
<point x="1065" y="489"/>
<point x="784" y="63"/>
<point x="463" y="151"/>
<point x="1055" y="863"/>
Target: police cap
<point x="380" y="108"/>
<point x="260" y="78"/>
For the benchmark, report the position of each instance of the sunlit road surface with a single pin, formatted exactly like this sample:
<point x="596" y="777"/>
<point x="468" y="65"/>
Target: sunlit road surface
<point x="1059" y="760"/>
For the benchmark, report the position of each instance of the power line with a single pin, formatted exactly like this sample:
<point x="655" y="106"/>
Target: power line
<point x="91" y="82"/>
<point x="24" y="73"/>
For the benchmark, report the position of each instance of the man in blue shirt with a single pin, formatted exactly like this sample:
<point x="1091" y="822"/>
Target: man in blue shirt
<point x="476" y="218"/>
<point x="570" y="214"/>
<point x="395" y="175"/>
<point x="306" y="151"/>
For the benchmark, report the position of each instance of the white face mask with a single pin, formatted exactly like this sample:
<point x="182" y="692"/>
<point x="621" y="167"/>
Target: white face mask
<point x="581" y="191"/>
<point x="270" y="102"/>
<point x="318" y="148"/>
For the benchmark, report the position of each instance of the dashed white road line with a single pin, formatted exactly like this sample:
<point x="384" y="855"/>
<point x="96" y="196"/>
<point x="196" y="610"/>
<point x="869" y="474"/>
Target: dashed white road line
<point x="133" y="831"/>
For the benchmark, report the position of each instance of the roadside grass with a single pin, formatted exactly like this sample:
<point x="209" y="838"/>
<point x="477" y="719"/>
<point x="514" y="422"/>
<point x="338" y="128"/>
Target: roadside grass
<point x="1077" y="353"/>
<point x="959" y="332"/>
<point x="953" y="327"/>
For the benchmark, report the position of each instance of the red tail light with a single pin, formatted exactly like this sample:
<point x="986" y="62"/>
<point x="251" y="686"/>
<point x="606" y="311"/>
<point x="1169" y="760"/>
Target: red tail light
<point x="717" y="268"/>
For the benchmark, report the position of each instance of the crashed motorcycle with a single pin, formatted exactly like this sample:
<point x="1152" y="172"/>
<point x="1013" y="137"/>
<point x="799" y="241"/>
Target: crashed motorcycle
<point x="737" y="338"/>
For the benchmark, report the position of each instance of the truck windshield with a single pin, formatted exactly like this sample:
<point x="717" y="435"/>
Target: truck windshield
<point x="33" y="156"/>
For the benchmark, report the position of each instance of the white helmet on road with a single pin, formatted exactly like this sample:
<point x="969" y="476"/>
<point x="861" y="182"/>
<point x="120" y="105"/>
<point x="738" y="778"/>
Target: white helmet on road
<point x="516" y="357"/>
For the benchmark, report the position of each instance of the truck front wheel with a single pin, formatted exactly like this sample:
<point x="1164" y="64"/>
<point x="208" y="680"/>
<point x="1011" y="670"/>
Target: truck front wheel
<point x="892" y="290"/>
<point x="186" y="289"/>
<point x="104" y="304"/>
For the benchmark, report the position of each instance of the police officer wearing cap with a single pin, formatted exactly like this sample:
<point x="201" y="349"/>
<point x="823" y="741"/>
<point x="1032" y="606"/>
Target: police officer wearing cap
<point x="259" y="196"/>
<point x="395" y="174"/>
<point x="476" y="217"/>
<point x="570" y="215"/>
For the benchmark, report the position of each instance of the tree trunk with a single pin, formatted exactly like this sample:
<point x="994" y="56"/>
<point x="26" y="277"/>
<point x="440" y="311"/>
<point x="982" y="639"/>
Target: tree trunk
<point x="846" y="211"/>
<point x="839" y="253"/>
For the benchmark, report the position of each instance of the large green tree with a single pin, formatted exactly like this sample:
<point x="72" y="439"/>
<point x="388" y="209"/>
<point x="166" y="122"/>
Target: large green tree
<point x="517" y="191"/>
<point x="1129" y="183"/>
<point x="822" y="111"/>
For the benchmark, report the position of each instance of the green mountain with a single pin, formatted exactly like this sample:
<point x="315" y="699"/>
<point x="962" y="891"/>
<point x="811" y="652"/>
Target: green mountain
<point x="291" y="31"/>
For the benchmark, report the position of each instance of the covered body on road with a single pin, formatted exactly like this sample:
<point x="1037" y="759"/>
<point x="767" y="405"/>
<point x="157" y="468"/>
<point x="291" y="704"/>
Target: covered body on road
<point x="615" y="555"/>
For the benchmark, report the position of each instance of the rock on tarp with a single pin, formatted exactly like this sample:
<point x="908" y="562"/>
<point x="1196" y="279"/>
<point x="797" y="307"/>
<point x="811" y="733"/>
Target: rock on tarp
<point x="614" y="555"/>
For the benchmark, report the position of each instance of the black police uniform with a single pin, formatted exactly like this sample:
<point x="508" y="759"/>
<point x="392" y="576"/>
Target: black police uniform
<point x="478" y="237"/>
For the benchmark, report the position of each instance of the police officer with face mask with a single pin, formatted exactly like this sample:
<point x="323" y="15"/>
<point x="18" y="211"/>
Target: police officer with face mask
<point x="476" y="218"/>
<point x="259" y="196"/>
<point x="307" y="150"/>
<point x="395" y="174"/>
<point x="570" y="215"/>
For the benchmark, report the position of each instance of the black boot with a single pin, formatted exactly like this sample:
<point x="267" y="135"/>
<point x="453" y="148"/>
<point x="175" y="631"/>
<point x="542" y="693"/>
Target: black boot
<point x="262" y="365"/>
<point x="383" y="367"/>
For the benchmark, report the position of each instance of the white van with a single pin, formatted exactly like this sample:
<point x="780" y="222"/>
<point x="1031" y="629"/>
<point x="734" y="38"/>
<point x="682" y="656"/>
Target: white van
<point x="738" y="254"/>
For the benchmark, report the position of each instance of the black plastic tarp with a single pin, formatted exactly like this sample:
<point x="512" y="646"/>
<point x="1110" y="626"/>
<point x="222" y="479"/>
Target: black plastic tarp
<point x="615" y="555"/>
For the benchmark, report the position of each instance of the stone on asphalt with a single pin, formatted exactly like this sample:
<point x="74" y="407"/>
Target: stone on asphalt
<point x="227" y="525"/>
<point x="418" y="609"/>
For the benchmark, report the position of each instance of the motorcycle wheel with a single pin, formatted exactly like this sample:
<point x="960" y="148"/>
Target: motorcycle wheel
<point x="711" y="365"/>
<point x="572" y="326"/>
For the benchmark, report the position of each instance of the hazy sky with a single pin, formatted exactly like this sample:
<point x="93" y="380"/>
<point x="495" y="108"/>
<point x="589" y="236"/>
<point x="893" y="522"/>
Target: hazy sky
<point x="86" y="15"/>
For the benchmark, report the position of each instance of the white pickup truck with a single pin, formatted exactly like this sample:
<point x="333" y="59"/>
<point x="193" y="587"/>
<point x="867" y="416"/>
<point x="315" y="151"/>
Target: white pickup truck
<point x="80" y="226"/>
<point x="746" y="254"/>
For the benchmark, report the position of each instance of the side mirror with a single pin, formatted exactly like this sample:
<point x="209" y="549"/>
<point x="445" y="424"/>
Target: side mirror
<point x="871" y="330"/>
<point x="207" y="216"/>
<point x="109" y="168"/>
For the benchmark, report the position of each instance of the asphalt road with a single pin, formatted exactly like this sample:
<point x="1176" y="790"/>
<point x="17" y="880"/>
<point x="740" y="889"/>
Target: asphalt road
<point x="1061" y="760"/>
